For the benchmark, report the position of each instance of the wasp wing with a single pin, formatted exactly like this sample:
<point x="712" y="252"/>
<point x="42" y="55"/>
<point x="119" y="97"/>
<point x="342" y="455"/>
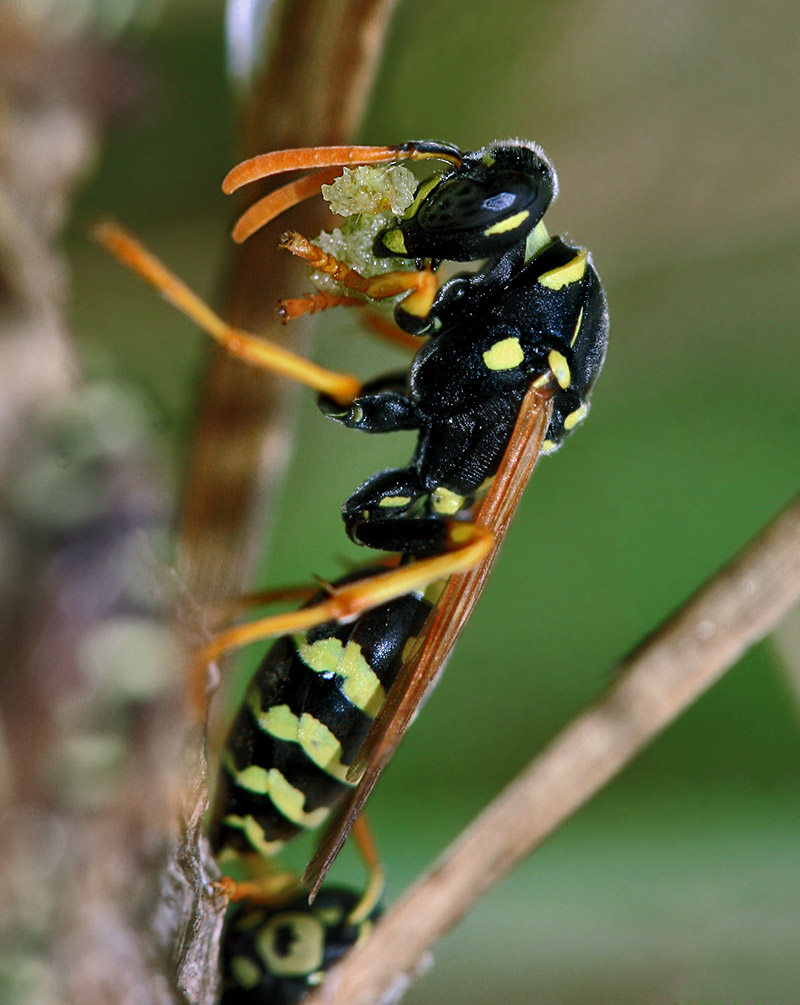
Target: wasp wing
<point x="418" y="677"/>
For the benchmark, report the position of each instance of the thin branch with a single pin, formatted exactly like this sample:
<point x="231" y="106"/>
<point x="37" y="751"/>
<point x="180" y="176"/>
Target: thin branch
<point x="671" y="669"/>
<point x="323" y="55"/>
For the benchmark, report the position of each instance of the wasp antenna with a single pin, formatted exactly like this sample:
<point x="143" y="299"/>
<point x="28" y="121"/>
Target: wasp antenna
<point x="304" y="158"/>
<point x="277" y="202"/>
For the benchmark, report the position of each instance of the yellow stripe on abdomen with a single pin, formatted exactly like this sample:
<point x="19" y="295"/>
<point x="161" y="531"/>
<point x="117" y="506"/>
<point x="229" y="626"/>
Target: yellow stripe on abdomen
<point x="359" y="681"/>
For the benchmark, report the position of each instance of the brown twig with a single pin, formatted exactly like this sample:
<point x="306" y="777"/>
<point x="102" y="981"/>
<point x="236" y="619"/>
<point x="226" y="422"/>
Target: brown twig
<point x="671" y="668"/>
<point x="311" y="91"/>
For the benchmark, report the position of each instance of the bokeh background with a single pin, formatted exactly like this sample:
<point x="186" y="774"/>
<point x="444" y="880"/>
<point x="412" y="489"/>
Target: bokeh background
<point x="675" y="131"/>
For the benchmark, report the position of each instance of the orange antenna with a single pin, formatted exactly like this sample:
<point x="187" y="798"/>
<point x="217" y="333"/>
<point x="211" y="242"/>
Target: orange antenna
<point x="277" y="202"/>
<point x="303" y="158"/>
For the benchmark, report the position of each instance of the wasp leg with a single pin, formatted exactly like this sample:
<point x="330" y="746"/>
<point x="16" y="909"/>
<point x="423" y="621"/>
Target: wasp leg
<point x="420" y="286"/>
<point x="365" y="842"/>
<point x="313" y="303"/>
<point x="466" y="544"/>
<point x="267" y="355"/>
<point x="226" y="610"/>
<point x="273" y="886"/>
<point x="381" y="327"/>
<point x="383" y="407"/>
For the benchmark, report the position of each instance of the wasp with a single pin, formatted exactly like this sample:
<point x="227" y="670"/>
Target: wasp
<point x="506" y="356"/>
<point x="277" y="954"/>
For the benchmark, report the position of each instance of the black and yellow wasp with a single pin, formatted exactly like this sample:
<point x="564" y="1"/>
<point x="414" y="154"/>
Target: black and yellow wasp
<point x="507" y="356"/>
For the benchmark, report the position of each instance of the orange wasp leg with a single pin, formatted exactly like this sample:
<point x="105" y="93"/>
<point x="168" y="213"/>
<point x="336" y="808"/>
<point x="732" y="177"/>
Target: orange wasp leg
<point x="421" y="286"/>
<point x="259" y="352"/>
<point x="451" y="613"/>
<point x="368" y="850"/>
<point x="272" y="888"/>
<point x="468" y="545"/>
<point x="276" y="886"/>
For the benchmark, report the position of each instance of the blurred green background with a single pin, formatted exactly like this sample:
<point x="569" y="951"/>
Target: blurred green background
<point x="675" y="131"/>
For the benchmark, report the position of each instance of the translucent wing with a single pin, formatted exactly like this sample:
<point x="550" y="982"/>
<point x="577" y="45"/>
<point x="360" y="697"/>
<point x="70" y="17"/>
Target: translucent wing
<point x="451" y="613"/>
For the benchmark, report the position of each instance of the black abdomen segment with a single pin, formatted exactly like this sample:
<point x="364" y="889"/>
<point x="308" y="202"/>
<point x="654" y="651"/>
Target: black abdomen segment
<point x="307" y="712"/>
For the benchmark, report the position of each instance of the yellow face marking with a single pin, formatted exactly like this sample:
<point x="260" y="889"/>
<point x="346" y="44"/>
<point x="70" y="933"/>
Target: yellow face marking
<point x="510" y="223"/>
<point x="300" y="954"/>
<point x="504" y="355"/>
<point x="246" y="973"/>
<point x="559" y="367"/>
<point x="577" y="328"/>
<point x="394" y="240"/>
<point x="572" y="420"/>
<point x="321" y="746"/>
<point x="359" y="681"/>
<point x="571" y="272"/>
<point x="389" y="501"/>
<point x="548" y="447"/>
<point x="446" y="502"/>
<point x="423" y="192"/>
<point x="254" y="833"/>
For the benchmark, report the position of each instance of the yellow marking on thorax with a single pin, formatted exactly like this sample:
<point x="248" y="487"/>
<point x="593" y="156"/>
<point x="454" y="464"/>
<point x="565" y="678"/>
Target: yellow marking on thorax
<point x="548" y="447"/>
<point x="504" y="355"/>
<point x="560" y="367"/>
<point x="359" y="681"/>
<point x="388" y="501"/>
<point x="572" y="420"/>
<point x="446" y="502"/>
<point x="577" y="328"/>
<point x="570" y="272"/>
<point x="510" y="223"/>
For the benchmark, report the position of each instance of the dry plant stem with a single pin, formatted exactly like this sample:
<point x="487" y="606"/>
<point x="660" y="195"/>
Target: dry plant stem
<point x="672" y="668"/>
<point x="323" y="55"/>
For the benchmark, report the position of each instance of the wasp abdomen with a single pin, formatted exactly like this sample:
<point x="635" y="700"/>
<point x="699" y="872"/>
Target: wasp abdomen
<point x="307" y="712"/>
